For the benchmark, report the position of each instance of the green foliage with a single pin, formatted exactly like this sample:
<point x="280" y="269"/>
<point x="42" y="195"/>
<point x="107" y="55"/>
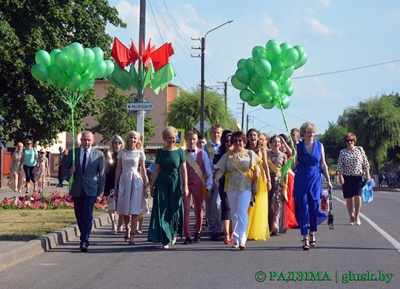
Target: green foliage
<point x="376" y="123"/>
<point x="333" y="141"/>
<point x="31" y="109"/>
<point x="113" y="118"/>
<point x="184" y="111"/>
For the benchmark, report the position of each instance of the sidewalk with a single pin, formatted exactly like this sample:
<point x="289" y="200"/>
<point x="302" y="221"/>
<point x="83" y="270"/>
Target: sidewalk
<point x="14" y="252"/>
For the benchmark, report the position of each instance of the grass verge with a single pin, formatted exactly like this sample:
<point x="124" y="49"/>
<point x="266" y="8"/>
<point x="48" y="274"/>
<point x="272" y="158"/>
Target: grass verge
<point x="26" y="225"/>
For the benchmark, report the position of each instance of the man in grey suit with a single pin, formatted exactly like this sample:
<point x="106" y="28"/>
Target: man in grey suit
<point x="88" y="185"/>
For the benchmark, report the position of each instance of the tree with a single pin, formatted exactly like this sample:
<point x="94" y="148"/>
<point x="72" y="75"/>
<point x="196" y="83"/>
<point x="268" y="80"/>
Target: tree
<point x="184" y="111"/>
<point x="376" y="123"/>
<point x="333" y="140"/>
<point x="113" y="118"/>
<point x="31" y="109"/>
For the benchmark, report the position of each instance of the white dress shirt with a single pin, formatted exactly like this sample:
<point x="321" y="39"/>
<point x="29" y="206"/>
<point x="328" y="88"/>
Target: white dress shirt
<point x="207" y="167"/>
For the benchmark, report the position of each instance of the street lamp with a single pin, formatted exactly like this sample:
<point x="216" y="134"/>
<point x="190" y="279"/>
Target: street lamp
<point x="203" y="46"/>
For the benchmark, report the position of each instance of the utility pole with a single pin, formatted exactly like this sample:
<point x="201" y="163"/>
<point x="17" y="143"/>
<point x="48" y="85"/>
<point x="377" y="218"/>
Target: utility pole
<point x="243" y="104"/>
<point x="140" y="97"/>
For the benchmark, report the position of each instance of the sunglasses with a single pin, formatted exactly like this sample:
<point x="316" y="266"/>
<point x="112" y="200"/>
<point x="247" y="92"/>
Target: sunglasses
<point x="349" y="140"/>
<point x="227" y="141"/>
<point x="41" y="153"/>
<point x="28" y="143"/>
<point x="237" y="140"/>
<point x="117" y="142"/>
<point x="252" y="202"/>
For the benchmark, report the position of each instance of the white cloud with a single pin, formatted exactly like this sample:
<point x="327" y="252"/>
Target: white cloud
<point x="392" y="68"/>
<point x="317" y="28"/>
<point x="127" y="12"/>
<point x="268" y="26"/>
<point x="326" y="3"/>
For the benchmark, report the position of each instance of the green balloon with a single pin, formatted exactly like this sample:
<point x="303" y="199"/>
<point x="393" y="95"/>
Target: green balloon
<point x="242" y="75"/>
<point x="270" y="87"/>
<point x="75" y="52"/>
<point x="246" y="95"/>
<point x="287" y="73"/>
<point x="87" y="59"/>
<point x="87" y="85"/>
<point x="284" y="86"/>
<point x="261" y="96"/>
<point x="284" y="46"/>
<point x="263" y="67"/>
<point x="53" y="54"/>
<point x="290" y="90"/>
<point x="65" y="49"/>
<point x="301" y="62"/>
<point x="43" y="57"/>
<point x="256" y="79"/>
<point x="255" y="87"/>
<point x="259" y="47"/>
<point x="240" y="63"/>
<point x="63" y="82"/>
<point x="271" y="41"/>
<point x="268" y="104"/>
<point x="74" y="82"/>
<point x="277" y="69"/>
<point x="110" y="67"/>
<point x="249" y="65"/>
<point x="273" y="50"/>
<point x="290" y="57"/>
<point x="300" y="50"/>
<point x="39" y="72"/>
<point x="237" y="84"/>
<point x="62" y="61"/>
<point x="98" y="53"/>
<point x="54" y="73"/>
<point x="258" y="54"/>
<point x="283" y="102"/>
<point x="253" y="103"/>
<point x="97" y="69"/>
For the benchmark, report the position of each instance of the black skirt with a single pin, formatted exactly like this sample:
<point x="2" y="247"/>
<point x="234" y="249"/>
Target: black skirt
<point x="352" y="186"/>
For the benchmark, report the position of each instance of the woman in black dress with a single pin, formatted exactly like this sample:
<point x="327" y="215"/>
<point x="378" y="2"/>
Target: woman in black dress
<point x="110" y="167"/>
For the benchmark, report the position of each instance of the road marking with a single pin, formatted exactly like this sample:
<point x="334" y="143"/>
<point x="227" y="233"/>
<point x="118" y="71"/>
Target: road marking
<point x="391" y="240"/>
<point x="47" y="264"/>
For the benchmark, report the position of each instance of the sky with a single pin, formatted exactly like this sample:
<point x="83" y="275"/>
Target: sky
<point x="336" y="35"/>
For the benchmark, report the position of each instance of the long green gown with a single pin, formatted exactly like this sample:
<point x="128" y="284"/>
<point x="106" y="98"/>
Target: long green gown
<point x="167" y="214"/>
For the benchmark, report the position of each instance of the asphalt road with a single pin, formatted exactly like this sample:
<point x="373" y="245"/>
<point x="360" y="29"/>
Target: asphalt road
<point x="340" y="257"/>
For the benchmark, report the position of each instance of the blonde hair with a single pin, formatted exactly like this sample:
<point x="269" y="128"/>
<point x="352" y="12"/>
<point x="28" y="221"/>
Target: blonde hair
<point x="305" y="126"/>
<point x="169" y="131"/>
<point x="111" y="149"/>
<point x="133" y="133"/>
<point x="20" y="144"/>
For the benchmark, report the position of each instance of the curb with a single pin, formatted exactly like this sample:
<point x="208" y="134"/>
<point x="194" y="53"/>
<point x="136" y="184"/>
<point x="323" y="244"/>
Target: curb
<point x="45" y="243"/>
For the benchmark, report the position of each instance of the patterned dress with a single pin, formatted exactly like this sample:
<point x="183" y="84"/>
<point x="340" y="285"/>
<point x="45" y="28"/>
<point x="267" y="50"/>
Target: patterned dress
<point x="275" y="196"/>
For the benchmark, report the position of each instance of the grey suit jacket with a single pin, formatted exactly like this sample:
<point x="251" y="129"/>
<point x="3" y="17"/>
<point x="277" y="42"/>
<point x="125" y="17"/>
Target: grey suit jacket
<point x="92" y="181"/>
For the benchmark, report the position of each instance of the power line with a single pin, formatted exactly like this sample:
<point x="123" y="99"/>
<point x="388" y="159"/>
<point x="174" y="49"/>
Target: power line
<point x="345" y="70"/>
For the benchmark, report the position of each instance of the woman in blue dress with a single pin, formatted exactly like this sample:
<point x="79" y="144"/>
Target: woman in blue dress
<point x="310" y="164"/>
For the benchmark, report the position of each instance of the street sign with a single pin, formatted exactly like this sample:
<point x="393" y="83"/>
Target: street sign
<point x="181" y="137"/>
<point x="335" y="168"/>
<point x="206" y="126"/>
<point x="146" y="106"/>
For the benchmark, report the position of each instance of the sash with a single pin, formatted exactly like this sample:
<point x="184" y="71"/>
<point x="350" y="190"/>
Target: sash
<point x="210" y="149"/>
<point x="195" y="166"/>
<point x="247" y="173"/>
<point x="277" y="171"/>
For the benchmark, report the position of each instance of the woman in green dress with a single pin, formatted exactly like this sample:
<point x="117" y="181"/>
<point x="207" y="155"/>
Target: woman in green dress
<point x="169" y="180"/>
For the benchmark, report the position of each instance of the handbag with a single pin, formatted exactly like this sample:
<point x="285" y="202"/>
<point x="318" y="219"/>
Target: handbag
<point x="111" y="201"/>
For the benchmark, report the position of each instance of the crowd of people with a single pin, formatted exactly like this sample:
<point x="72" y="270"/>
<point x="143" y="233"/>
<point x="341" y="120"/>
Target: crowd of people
<point x="253" y="186"/>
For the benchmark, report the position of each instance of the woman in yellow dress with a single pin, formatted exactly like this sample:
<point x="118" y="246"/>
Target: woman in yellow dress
<point x="257" y="228"/>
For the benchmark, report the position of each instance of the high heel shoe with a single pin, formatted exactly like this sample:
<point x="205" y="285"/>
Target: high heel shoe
<point x="312" y="240"/>
<point x="127" y="235"/>
<point x="235" y="245"/>
<point x="306" y="245"/>
<point x="242" y="246"/>
<point x="228" y="239"/>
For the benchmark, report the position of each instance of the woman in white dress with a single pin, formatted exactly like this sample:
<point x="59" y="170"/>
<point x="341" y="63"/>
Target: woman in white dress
<point x="129" y="183"/>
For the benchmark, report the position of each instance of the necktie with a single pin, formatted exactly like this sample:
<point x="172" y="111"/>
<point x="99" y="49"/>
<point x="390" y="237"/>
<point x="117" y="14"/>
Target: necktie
<point x="191" y="150"/>
<point x="84" y="161"/>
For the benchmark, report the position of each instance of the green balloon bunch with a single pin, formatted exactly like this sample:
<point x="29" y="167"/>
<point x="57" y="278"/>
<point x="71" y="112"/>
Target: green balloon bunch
<point x="73" y="67"/>
<point x="264" y="78"/>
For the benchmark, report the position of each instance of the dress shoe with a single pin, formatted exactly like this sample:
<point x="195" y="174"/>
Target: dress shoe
<point x="197" y="237"/>
<point x="357" y="223"/>
<point x="83" y="248"/>
<point x="188" y="241"/>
